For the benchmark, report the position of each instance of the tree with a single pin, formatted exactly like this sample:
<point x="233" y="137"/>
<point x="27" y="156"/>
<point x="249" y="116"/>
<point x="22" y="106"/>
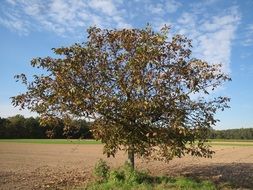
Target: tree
<point x="145" y="93"/>
<point x="33" y="128"/>
<point x="3" y="127"/>
<point x="16" y="126"/>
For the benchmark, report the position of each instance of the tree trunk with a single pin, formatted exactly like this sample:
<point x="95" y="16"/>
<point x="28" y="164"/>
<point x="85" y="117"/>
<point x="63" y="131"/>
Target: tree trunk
<point x="130" y="159"/>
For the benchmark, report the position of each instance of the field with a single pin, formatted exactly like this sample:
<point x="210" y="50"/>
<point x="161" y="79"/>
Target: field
<point x="63" y="164"/>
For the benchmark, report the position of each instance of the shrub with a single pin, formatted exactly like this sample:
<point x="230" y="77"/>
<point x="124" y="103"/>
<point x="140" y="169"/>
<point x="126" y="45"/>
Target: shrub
<point x="125" y="178"/>
<point x="101" y="170"/>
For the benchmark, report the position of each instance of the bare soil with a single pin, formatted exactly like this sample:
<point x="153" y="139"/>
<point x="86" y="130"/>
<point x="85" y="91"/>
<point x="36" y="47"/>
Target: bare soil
<point x="58" y="166"/>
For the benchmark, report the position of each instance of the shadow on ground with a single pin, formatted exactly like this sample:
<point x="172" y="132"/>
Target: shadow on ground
<point x="235" y="175"/>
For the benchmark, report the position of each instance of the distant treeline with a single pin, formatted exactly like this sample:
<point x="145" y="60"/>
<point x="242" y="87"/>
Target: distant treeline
<point x="30" y="128"/>
<point x="21" y="127"/>
<point x="242" y="133"/>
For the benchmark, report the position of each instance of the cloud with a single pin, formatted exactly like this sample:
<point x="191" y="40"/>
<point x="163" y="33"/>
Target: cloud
<point x="248" y="39"/>
<point x="162" y="8"/>
<point x="212" y="36"/>
<point x="14" y="23"/>
<point x="172" y="6"/>
<point x="107" y="7"/>
<point x="212" y="32"/>
<point x="63" y="17"/>
<point x="245" y="55"/>
<point x="156" y="8"/>
<point x="202" y="6"/>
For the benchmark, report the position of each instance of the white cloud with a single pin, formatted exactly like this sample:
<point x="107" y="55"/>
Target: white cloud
<point x="15" y="23"/>
<point x="172" y="6"/>
<point x="212" y="32"/>
<point x="13" y="2"/>
<point x="187" y="18"/>
<point x="169" y="6"/>
<point x="202" y="6"/>
<point x="107" y="7"/>
<point x="246" y="55"/>
<point x="64" y="17"/>
<point x="212" y="36"/>
<point x="248" y="40"/>
<point x="156" y="8"/>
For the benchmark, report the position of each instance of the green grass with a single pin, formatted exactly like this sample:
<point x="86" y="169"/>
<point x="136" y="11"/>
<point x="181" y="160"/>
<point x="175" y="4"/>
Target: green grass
<point x="230" y="142"/>
<point x="50" y="141"/>
<point x="172" y="184"/>
<point x="125" y="178"/>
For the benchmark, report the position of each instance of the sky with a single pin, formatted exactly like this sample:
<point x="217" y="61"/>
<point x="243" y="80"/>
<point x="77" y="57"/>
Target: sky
<point x="221" y="32"/>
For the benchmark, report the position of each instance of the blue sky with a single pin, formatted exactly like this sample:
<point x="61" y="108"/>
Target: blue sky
<point x="221" y="30"/>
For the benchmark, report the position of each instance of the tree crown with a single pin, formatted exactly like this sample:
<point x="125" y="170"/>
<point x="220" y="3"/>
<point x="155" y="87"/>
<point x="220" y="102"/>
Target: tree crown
<point x="137" y="85"/>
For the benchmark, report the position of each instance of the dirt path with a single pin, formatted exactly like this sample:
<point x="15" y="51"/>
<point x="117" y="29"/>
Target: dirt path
<point x="47" y="166"/>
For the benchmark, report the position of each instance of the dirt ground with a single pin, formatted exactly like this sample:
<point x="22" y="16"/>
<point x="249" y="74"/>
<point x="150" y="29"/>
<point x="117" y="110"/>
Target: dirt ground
<point x="48" y="166"/>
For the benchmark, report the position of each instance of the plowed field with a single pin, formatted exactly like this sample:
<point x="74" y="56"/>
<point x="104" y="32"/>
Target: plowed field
<point x="62" y="166"/>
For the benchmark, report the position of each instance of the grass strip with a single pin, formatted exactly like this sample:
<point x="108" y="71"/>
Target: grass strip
<point x="231" y="140"/>
<point x="230" y="144"/>
<point x="125" y="178"/>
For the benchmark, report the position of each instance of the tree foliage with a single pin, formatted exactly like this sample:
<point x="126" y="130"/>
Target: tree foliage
<point x="139" y="87"/>
<point x="30" y="128"/>
<point x="242" y="133"/>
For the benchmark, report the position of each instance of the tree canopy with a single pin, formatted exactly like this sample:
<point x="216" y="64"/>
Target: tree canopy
<point x="19" y="127"/>
<point x="143" y="90"/>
